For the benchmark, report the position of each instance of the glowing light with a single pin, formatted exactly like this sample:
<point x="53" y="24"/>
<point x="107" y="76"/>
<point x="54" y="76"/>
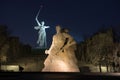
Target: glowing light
<point x="103" y="68"/>
<point x="14" y="68"/>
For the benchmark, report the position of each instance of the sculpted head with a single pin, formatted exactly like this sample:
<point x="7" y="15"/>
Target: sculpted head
<point x="43" y="22"/>
<point x="65" y="30"/>
<point x="58" y="29"/>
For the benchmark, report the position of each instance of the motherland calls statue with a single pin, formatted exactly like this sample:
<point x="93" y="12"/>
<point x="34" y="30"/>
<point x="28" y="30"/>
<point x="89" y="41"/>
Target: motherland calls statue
<point x="61" y="55"/>
<point x="42" y="33"/>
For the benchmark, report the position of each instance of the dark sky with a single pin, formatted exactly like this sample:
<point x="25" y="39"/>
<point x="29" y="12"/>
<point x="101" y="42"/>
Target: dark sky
<point x="82" y="17"/>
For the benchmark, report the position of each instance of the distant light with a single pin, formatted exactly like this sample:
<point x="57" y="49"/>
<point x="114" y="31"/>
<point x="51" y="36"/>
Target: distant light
<point x="103" y="68"/>
<point x="14" y="68"/>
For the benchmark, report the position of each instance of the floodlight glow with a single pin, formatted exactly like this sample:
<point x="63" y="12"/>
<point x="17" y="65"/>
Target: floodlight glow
<point x="103" y="68"/>
<point x="14" y="68"/>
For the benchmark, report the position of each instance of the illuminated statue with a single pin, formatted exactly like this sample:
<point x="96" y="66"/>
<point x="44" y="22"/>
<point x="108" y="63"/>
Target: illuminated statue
<point x="42" y="33"/>
<point x="61" y="55"/>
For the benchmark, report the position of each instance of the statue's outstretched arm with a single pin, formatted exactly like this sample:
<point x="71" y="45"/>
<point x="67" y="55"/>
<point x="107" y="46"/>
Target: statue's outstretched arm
<point x="47" y="26"/>
<point x="36" y="27"/>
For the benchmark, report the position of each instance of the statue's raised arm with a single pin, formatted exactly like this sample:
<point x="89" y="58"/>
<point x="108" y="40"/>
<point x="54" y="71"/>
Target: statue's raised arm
<point x="36" y="18"/>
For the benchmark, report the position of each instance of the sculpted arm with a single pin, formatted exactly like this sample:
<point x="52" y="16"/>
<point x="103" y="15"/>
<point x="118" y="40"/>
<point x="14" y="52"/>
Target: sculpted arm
<point x="71" y="41"/>
<point x="47" y="26"/>
<point x="37" y="27"/>
<point x="37" y="18"/>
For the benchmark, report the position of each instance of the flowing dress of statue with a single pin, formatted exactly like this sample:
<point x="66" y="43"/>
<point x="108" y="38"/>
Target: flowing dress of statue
<point x="42" y="33"/>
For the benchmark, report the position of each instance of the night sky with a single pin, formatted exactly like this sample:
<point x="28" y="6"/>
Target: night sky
<point x="81" y="17"/>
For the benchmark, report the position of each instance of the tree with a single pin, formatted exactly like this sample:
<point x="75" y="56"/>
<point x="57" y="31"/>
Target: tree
<point x="3" y="42"/>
